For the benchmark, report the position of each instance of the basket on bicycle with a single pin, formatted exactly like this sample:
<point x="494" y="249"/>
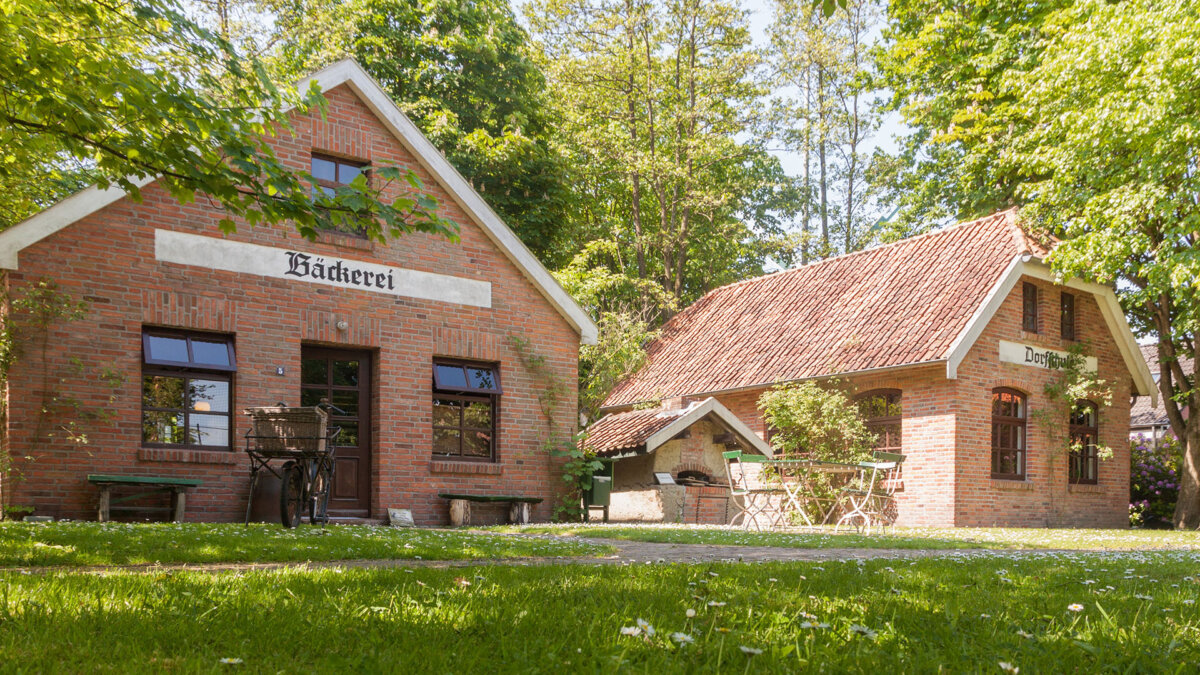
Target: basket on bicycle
<point x="288" y="430"/>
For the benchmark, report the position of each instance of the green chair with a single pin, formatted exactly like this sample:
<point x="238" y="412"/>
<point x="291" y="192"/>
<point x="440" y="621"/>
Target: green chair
<point x="756" y="502"/>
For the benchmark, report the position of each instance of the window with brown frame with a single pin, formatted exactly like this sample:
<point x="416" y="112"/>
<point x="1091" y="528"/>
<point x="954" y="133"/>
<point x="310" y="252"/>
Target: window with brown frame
<point x="187" y="389"/>
<point x="881" y="411"/>
<point x="331" y="172"/>
<point x="1009" y="415"/>
<point x="1083" y="462"/>
<point x="465" y="406"/>
<point x="1029" y="313"/>
<point x="1068" y="316"/>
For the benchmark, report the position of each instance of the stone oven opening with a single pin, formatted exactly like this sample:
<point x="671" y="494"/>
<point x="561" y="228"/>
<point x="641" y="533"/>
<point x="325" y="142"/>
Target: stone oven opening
<point x="695" y="478"/>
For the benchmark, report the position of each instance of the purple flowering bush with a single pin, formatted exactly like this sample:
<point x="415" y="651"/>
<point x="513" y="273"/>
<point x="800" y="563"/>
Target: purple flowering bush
<point x="1154" y="482"/>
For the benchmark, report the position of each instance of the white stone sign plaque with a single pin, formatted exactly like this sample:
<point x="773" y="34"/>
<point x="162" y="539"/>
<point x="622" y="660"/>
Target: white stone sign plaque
<point x="1039" y="357"/>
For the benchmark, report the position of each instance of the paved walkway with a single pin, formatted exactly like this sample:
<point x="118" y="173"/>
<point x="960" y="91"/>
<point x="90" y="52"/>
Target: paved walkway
<point x="628" y="553"/>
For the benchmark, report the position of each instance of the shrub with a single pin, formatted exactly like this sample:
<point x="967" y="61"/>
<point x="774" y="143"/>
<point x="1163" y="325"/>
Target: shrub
<point x="816" y="421"/>
<point x="1154" y="482"/>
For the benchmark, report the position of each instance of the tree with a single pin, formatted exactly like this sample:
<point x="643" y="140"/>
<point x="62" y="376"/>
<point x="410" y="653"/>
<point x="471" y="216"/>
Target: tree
<point x="824" y="61"/>
<point x="461" y="71"/>
<point x="1086" y="113"/>
<point x="1108" y="160"/>
<point x="134" y="89"/>
<point x="656" y="100"/>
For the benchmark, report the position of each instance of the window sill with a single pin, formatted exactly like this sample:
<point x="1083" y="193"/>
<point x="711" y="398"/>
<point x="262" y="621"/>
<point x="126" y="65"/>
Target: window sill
<point x="1085" y="488"/>
<point x="1012" y="485"/>
<point x="187" y="456"/>
<point x="477" y="468"/>
<point x="345" y="240"/>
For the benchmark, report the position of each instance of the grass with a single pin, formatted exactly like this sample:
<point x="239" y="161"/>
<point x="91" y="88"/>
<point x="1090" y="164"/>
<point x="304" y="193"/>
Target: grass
<point x="900" y="538"/>
<point x="29" y="544"/>
<point x="1137" y="612"/>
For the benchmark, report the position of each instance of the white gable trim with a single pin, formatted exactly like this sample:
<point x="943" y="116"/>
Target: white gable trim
<point x="347" y="71"/>
<point x="699" y="411"/>
<point x="1110" y="309"/>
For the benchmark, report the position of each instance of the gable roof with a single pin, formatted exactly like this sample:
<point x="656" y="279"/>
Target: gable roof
<point x="638" y="432"/>
<point x="350" y="73"/>
<point x="922" y="300"/>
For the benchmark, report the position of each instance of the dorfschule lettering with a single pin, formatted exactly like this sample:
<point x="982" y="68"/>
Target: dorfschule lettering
<point x="307" y="267"/>
<point x="1046" y="359"/>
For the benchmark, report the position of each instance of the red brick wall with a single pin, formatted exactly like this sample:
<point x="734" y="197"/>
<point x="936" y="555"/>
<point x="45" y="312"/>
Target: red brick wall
<point x="108" y="259"/>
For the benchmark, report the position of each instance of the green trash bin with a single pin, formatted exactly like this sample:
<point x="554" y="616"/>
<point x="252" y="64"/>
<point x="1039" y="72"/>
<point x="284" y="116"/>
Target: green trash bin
<point x="599" y="495"/>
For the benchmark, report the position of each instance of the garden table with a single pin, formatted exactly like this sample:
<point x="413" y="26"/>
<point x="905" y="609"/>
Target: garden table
<point x="798" y="477"/>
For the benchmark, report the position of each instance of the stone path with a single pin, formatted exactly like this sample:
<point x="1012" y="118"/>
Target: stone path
<point x="628" y="553"/>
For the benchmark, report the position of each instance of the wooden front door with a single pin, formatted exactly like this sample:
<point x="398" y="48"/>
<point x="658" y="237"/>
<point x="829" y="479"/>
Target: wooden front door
<point x="343" y="377"/>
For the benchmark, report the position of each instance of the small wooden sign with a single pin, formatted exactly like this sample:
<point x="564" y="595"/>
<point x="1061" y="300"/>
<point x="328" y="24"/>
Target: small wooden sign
<point x="663" y="478"/>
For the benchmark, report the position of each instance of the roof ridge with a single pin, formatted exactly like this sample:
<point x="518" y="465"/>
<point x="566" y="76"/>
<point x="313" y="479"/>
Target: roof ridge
<point x="1006" y="215"/>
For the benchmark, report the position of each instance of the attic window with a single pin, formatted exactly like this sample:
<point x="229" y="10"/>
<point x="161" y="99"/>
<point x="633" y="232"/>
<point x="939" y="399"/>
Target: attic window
<point x="330" y="172"/>
<point x="1029" y="315"/>
<point x="1068" y="316"/>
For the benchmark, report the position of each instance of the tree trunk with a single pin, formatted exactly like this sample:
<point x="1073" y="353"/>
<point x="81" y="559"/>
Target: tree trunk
<point x="1187" y="509"/>
<point x="821" y="116"/>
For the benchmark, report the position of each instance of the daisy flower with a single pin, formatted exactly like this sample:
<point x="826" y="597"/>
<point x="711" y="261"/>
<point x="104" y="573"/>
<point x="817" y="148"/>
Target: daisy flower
<point x="750" y="651"/>
<point x="1075" y="607"/>
<point x="1008" y="667"/>
<point x="682" y="638"/>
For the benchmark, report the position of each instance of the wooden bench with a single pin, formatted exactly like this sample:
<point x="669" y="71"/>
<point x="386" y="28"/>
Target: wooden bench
<point x="151" y="484"/>
<point x="460" y="506"/>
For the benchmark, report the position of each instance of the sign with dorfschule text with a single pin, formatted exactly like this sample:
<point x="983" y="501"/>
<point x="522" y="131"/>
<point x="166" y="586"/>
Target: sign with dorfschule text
<point x="282" y="263"/>
<point x="1039" y="357"/>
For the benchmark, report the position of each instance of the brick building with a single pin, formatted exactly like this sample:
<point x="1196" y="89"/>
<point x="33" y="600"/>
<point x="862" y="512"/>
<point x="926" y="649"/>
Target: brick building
<point x="184" y="327"/>
<point x="950" y="339"/>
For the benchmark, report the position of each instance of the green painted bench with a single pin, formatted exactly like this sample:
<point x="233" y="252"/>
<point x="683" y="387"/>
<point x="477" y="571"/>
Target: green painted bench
<point x="177" y="487"/>
<point x="460" y="506"/>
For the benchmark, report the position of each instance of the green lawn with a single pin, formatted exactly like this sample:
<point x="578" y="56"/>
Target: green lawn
<point x="73" y="543"/>
<point x="1136" y="612"/>
<point x="914" y="538"/>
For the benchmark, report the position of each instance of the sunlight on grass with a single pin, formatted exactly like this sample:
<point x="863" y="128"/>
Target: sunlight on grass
<point x="905" y="538"/>
<point x="75" y="543"/>
<point x="1121" y="612"/>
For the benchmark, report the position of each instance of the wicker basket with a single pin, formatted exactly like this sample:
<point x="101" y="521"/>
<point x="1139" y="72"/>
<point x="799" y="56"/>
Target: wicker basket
<point x="274" y="429"/>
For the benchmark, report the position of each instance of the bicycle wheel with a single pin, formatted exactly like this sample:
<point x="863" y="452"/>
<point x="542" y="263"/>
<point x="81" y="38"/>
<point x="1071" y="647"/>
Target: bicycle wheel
<point x="291" y="494"/>
<point x="318" y="504"/>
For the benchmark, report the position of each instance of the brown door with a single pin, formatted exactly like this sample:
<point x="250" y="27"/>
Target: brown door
<point x="343" y="378"/>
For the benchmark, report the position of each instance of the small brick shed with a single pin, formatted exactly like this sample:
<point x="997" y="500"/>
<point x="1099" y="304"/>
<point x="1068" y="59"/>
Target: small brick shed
<point x="947" y="341"/>
<point x="683" y="441"/>
<point x="185" y="327"/>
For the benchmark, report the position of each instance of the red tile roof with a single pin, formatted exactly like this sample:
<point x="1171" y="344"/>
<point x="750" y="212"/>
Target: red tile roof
<point x="897" y="304"/>
<point x="614" y="433"/>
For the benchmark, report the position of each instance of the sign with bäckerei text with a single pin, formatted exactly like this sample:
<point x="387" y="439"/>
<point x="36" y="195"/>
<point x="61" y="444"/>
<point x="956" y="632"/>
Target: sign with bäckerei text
<point x="282" y="263"/>
<point x="1039" y="357"/>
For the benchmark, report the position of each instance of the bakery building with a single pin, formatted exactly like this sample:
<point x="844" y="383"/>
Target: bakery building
<point x="948" y="341"/>
<point x="182" y="327"/>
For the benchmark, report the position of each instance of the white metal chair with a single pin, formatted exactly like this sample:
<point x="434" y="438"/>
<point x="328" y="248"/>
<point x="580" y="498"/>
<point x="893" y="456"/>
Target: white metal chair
<point x="757" y="502"/>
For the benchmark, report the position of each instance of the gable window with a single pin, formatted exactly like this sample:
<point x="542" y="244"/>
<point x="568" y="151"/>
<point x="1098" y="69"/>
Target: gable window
<point x="1083" y="460"/>
<point x="1009" y="415"/>
<point x="465" y="402"/>
<point x="187" y="389"/>
<point x="331" y="172"/>
<point x="1068" y="316"/>
<point x="1029" y="313"/>
<point x="880" y="410"/>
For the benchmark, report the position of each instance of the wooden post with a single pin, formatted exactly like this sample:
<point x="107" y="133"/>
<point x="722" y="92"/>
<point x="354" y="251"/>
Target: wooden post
<point x="518" y="512"/>
<point x="104" y="499"/>
<point x="180" y="501"/>
<point x="460" y="512"/>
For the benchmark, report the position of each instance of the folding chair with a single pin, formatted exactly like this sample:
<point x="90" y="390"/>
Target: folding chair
<point x="756" y="502"/>
<point x="885" y="494"/>
<point x="860" y="501"/>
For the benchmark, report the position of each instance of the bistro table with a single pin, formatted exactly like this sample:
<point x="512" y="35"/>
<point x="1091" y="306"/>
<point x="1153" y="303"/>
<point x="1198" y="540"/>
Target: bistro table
<point x="798" y="477"/>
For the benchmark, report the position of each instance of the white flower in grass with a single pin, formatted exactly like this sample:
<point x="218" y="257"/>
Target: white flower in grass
<point x="750" y="651"/>
<point x="1075" y="607"/>
<point x="1008" y="667"/>
<point x="230" y="661"/>
<point x="632" y="631"/>
<point x="714" y="603"/>
<point x="690" y="613"/>
<point x="682" y="638"/>
<point x="1143" y="597"/>
<point x="645" y="625"/>
<point x="862" y="630"/>
<point x="1189" y="602"/>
